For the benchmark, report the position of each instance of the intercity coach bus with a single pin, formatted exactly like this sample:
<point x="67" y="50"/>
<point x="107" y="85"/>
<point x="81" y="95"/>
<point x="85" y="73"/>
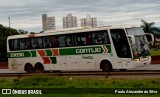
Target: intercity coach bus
<point x="101" y="48"/>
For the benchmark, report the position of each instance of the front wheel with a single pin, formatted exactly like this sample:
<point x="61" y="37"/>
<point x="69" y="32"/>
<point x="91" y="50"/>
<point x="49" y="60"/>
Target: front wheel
<point x="106" y="67"/>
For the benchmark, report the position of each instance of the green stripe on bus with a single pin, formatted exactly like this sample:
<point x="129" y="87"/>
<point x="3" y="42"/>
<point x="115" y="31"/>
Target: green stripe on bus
<point x="65" y="51"/>
<point x="85" y="50"/>
<point x="109" y="48"/>
<point x="48" y="53"/>
<point x="33" y="53"/>
<point x="54" y="60"/>
<point x="22" y="54"/>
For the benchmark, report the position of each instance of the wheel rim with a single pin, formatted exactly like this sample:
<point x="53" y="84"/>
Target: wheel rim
<point x="29" y="69"/>
<point x="106" y="67"/>
<point x="39" y="70"/>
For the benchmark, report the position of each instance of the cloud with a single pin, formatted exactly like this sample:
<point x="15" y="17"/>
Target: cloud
<point x="26" y="14"/>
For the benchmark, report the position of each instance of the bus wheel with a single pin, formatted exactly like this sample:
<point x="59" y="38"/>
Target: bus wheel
<point x="38" y="68"/>
<point x="106" y="66"/>
<point x="29" y="68"/>
<point x="122" y="69"/>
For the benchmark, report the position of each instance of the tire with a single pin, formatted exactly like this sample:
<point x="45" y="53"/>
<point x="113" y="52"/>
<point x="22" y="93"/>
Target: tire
<point x="122" y="69"/>
<point x="106" y="66"/>
<point x="29" y="68"/>
<point x="39" y="68"/>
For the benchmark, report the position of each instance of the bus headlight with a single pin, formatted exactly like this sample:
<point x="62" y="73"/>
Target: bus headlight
<point x="149" y="57"/>
<point x="137" y="59"/>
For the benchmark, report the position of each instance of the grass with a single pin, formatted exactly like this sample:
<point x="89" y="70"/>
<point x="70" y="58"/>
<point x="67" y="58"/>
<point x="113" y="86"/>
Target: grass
<point x="75" y="82"/>
<point x="155" y="52"/>
<point x="78" y="82"/>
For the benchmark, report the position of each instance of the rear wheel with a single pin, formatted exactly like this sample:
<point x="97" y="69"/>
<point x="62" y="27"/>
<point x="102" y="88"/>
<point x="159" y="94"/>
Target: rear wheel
<point x="39" y="68"/>
<point x="29" y="68"/>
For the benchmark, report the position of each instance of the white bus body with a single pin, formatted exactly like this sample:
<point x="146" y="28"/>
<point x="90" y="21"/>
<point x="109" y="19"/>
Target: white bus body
<point x="105" y="48"/>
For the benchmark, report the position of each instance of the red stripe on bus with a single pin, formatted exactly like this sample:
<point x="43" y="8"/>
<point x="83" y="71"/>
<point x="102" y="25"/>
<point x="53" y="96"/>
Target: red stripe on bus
<point x="46" y="60"/>
<point x="42" y="53"/>
<point x="55" y="52"/>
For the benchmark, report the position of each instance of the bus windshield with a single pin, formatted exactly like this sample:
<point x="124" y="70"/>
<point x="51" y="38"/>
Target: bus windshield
<point x="141" y="46"/>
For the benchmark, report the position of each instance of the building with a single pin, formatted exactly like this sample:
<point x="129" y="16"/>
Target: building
<point x="89" y="21"/>
<point x="44" y="25"/>
<point x="48" y="23"/>
<point x="69" y="21"/>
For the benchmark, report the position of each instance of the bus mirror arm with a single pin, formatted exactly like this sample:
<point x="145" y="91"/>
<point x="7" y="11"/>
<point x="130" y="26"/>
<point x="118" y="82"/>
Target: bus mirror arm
<point x="151" y="37"/>
<point x="131" y="39"/>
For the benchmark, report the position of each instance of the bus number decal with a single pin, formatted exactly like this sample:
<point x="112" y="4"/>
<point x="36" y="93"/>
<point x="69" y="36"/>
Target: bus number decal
<point x="15" y="55"/>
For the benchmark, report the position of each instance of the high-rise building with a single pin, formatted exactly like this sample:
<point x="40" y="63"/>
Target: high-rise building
<point x="89" y="21"/>
<point x="44" y="25"/>
<point x="48" y="23"/>
<point x="69" y="21"/>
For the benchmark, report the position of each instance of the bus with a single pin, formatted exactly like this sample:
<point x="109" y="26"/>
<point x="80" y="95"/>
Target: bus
<point x="83" y="49"/>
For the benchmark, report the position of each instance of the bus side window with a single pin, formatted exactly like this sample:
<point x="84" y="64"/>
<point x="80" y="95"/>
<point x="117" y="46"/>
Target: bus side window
<point x="24" y="44"/>
<point x="46" y="42"/>
<point x="11" y="45"/>
<point x="88" y="39"/>
<point x="100" y="37"/>
<point x="36" y="43"/>
<point x="80" y="39"/>
<point x="61" y="40"/>
<point x="69" y="40"/>
<point x="54" y="42"/>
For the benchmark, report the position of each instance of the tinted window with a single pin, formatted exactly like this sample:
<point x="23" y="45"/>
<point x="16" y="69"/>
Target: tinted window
<point x="76" y="39"/>
<point x="69" y="40"/>
<point x="62" y="41"/>
<point x="36" y="43"/>
<point x="100" y="37"/>
<point x="121" y="43"/>
<point x="11" y="45"/>
<point x="24" y="44"/>
<point x="80" y="39"/>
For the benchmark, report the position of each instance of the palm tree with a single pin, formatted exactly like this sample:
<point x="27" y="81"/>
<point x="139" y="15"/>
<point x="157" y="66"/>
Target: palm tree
<point x="149" y="28"/>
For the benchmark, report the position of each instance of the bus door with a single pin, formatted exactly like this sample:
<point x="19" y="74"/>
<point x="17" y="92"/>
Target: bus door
<point x="122" y="55"/>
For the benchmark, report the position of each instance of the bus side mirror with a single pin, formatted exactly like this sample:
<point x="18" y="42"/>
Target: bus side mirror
<point x="150" y="38"/>
<point x="131" y="39"/>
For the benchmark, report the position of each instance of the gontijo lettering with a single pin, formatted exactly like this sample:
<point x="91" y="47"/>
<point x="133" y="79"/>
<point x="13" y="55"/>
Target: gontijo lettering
<point x="88" y="50"/>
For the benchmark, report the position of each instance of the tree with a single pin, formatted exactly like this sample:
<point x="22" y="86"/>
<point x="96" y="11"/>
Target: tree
<point x="22" y="31"/>
<point x="4" y="33"/>
<point x="149" y="28"/>
<point x="32" y="33"/>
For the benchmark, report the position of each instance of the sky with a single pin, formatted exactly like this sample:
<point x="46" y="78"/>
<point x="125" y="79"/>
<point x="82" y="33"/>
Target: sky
<point x="27" y="14"/>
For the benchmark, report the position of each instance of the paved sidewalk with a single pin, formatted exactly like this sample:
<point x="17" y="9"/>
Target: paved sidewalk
<point x="8" y="71"/>
<point x="150" y="67"/>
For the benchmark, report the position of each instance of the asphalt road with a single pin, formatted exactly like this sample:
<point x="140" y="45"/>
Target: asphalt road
<point x="150" y="67"/>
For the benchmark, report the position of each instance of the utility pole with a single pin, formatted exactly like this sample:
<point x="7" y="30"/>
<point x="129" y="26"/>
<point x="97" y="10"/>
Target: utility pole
<point x="9" y="25"/>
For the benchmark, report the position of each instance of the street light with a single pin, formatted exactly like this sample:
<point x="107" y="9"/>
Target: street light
<point x="9" y="26"/>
